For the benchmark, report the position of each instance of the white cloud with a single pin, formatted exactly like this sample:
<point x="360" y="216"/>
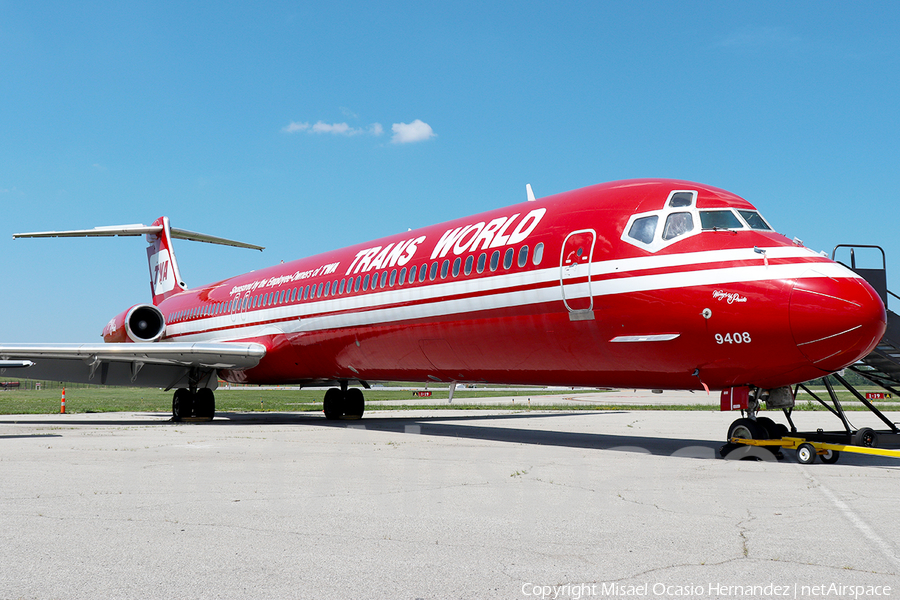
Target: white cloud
<point x="335" y="128"/>
<point x="403" y="133"/>
<point x="407" y="133"/>
<point x="374" y="129"/>
<point x="295" y="127"/>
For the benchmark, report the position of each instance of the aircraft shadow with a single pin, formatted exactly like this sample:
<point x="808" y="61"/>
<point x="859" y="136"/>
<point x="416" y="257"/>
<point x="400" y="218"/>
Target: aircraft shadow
<point x="463" y="427"/>
<point x="445" y="426"/>
<point x="467" y="427"/>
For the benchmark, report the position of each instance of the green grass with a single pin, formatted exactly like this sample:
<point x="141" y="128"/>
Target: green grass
<point x="115" y="399"/>
<point x="122" y="399"/>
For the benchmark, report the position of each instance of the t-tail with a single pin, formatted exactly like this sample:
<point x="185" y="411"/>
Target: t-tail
<point x="165" y="277"/>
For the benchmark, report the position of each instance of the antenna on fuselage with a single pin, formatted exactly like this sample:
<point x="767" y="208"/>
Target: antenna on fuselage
<point x="529" y="193"/>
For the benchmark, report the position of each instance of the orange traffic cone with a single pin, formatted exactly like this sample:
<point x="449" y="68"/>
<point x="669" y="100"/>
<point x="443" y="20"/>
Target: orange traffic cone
<point x="62" y="408"/>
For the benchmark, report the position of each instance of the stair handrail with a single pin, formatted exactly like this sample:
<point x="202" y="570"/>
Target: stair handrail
<point x="853" y="256"/>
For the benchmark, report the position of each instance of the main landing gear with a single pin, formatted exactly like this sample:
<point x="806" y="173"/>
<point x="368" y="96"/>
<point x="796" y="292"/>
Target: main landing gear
<point x="200" y="404"/>
<point x="344" y="403"/>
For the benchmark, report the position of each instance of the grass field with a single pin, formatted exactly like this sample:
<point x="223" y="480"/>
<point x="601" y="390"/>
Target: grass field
<point x="120" y="399"/>
<point x="112" y="399"/>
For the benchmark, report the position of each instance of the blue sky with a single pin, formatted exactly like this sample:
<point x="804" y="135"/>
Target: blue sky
<point x="305" y="128"/>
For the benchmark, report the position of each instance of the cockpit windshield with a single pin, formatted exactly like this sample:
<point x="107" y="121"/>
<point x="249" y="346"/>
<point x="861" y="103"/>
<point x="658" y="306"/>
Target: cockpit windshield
<point x="719" y="219"/>
<point x="755" y="220"/>
<point x="644" y="229"/>
<point x="679" y="219"/>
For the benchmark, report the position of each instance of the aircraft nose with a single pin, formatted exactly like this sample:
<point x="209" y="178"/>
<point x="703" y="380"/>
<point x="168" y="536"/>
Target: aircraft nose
<point x="835" y="321"/>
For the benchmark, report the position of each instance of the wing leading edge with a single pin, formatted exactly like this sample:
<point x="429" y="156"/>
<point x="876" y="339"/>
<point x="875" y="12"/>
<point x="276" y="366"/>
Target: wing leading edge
<point x="165" y="365"/>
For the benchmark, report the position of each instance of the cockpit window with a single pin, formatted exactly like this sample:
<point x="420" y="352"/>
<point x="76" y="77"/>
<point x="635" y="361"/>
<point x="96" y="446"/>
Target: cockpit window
<point x="754" y="220"/>
<point x="677" y="224"/>
<point x="681" y="199"/>
<point x="719" y="219"/>
<point x="644" y="229"/>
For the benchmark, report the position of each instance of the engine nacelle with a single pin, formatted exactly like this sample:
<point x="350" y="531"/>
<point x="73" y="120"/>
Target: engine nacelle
<point x="140" y="323"/>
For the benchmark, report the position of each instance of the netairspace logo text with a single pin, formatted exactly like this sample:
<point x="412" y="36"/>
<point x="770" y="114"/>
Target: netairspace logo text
<point x="611" y="590"/>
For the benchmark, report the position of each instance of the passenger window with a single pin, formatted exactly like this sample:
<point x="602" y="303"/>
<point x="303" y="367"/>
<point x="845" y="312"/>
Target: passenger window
<point x="402" y="278"/>
<point x="319" y="291"/>
<point x="470" y="261"/>
<point x="644" y="229"/>
<point x="356" y="283"/>
<point x="681" y="199"/>
<point x="538" y="254"/>
<point x="327" y="289"/>
<point x="445" y="268"/>
<point x="393" y="277"/>
<point x="412" y="274"/>
<point x="423" y="273"/>
<point x="677" y="224"/>
<point x="482" y="260"/>
<point x="495" y="260"/>
<point x="433" y="273"/>
<point x="508" y="258"/>
<point x="719" y="219"/>
<point x="754" y="220"/>
<point x="456" y="265"/>
<point x="523" y="256"/>
<point x="366" y="283"/>
<point x="383" y="283"/>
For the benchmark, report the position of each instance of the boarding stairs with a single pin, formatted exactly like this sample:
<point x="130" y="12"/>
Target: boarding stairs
<point x="881" y="367"/>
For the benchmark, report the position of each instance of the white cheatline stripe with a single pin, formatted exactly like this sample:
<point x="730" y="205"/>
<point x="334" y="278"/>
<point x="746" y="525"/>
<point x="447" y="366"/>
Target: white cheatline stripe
<point x="721" y="276"/>
<point x="374" y="315"/>
<point x="644" y="263"/>
<point x="420" y="293"/>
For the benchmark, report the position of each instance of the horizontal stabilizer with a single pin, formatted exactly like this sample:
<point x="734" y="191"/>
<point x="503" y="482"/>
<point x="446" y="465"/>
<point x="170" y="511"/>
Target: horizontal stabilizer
<point x="135" y="230"/>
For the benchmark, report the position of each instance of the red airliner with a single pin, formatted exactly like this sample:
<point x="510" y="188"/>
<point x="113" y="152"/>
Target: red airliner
<point x="653" y="284"/>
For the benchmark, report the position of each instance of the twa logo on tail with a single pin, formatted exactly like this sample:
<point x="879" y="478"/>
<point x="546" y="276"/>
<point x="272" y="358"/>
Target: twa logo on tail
<point x="162" y="273"/>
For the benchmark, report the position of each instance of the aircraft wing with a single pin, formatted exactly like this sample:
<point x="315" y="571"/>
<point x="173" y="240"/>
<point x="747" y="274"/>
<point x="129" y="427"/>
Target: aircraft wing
<point x="166" y="365"/>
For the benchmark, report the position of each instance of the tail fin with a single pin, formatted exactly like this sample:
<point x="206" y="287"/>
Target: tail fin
<point x="165" y="278"/>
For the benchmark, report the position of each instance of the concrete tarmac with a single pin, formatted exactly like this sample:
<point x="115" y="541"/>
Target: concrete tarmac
<point x="434" y="504"/>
